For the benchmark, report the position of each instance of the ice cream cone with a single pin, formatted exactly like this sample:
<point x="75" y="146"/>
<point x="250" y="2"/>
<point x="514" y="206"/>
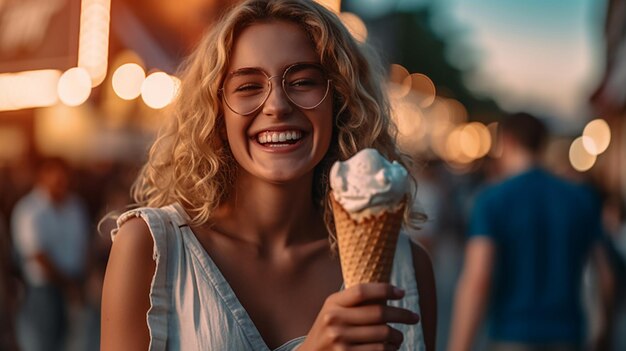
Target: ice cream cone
<point x="366" y="245"/>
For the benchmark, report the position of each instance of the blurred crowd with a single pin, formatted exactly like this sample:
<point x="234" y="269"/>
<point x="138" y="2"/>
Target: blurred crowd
<point x="54" y="246"/>
<point x="44" y="283"/>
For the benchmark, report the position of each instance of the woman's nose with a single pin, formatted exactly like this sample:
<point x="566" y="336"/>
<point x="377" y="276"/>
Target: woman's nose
<point x="277" y="103"/>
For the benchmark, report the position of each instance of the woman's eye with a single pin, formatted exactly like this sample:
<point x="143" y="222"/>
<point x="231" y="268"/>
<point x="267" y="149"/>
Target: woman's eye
<point x="305" y="82"/>
<point x="249" y="88"/>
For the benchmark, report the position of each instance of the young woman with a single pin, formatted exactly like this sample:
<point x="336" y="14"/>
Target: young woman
<point x="233" y="250"/>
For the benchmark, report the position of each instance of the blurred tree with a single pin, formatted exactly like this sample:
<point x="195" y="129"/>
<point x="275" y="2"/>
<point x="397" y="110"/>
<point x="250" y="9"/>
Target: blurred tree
<point x="406" y="38"/>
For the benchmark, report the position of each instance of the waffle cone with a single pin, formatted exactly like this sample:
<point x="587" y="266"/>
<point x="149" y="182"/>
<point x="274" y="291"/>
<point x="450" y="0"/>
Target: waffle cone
<point x="366" y="246"/>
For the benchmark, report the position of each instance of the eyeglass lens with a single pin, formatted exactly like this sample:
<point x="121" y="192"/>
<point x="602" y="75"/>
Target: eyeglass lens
<point x="246" y="90"/>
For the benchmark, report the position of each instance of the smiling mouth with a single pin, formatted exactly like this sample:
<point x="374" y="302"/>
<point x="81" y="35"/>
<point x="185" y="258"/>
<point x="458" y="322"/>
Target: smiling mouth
<point x="277" y="139"/>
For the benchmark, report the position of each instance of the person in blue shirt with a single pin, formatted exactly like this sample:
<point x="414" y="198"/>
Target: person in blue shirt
<point x="530" y="237"/>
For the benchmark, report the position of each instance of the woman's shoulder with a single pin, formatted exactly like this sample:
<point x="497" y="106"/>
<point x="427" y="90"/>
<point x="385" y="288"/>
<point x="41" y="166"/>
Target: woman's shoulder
<point x="155" y="219"/>
<point x="133" y="243"/>
<point x="126" y="291"/>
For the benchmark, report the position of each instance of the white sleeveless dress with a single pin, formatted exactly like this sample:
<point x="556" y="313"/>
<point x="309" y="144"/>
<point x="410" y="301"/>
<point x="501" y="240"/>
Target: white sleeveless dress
<point x="192" y="306"/>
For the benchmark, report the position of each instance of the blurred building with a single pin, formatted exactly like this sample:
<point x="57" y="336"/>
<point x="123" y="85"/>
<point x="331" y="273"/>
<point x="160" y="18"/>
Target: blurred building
<point x="40" y="40"/>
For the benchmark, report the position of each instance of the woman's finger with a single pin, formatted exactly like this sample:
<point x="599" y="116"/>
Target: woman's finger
<point x="376" y="314"/>
<point x="364" y="293"/>
<point x="373" y="334"/>
<point x="373" y="347"/>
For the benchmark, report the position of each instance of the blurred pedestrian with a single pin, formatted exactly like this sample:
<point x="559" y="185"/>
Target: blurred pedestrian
<point x="50" y="234"/>
<point x="530" y="237"/>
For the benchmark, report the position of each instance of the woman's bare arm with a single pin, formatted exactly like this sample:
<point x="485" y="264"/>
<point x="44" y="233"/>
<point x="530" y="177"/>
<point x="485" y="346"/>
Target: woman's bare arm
<point x="126" y="292"/>
<point x="427" y="294"/>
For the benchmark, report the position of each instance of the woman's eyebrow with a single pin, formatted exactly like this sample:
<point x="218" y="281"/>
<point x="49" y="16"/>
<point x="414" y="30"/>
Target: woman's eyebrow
<point x="254" y="69"/>
<point x="246" y="70"/>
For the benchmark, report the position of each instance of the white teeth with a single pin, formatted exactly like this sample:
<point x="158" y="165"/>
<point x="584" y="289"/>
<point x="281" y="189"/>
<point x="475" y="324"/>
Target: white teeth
<point x="278" y="137"/>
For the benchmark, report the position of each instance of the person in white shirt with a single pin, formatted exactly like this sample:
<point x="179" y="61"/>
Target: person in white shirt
<point x="50" y="234"/>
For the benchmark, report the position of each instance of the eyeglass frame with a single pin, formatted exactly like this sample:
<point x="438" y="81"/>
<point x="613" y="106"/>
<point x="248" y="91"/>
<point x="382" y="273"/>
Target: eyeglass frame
<point x="269" y="83"/>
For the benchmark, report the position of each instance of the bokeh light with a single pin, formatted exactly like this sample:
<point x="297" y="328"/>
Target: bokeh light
<point x="399" y="81"/>
<point x="458" y="112"/>
<point x="93" y="42"/>
<point x="411" y="127"/>
<point x="458" y="145"/>
<point x="441" y="124"/>
<point x="424" y="89"/>
<point x="596" y="136"/>
<point x="483" y="138"/>
<point x="74" y="86"/>
<point x="333" y="5"/>
<point x="29" y="89"/>
<point x="469" y="141"/>
<point x="158" y="90"/>
<point x="355" y="25"/>
<point x="579" y="157"/>
<point x="127" y="81"/>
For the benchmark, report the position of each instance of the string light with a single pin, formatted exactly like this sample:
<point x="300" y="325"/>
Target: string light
<point x="28" y="89"/>
<point x="579" y="157"/>
<point x="127" y="81"/>
<point x="93" y="42"/>
<point x="596" y="136"/>
<point x="158" y="90"/>
<point x="74" y="86"/>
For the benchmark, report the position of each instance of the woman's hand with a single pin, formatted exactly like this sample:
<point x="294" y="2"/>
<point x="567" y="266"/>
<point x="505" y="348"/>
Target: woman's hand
<point x="356" y="319"/>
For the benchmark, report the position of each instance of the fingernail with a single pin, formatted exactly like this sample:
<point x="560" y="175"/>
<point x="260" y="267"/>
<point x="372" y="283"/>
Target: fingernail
<point x="416" y="317"/>
<point x="398" y="291"/>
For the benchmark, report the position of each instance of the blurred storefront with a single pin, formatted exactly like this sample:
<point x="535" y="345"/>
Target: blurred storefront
<point x="46" y="46"/>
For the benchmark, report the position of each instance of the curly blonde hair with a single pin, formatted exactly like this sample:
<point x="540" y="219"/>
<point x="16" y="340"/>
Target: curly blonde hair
<point x="189" y="162"/>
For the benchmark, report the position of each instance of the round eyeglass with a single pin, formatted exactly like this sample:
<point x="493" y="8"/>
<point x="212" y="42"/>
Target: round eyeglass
<point x="245" y="90"/>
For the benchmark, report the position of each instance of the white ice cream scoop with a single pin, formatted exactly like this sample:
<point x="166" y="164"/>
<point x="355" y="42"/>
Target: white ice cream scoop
<point x="368" y="180"/>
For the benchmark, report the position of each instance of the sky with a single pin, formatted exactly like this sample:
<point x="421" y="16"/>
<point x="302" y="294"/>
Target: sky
<point x="542" y="56"/>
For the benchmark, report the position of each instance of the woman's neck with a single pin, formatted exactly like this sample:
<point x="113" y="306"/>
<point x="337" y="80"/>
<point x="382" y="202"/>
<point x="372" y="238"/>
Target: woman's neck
<point x="265" y="214"/>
